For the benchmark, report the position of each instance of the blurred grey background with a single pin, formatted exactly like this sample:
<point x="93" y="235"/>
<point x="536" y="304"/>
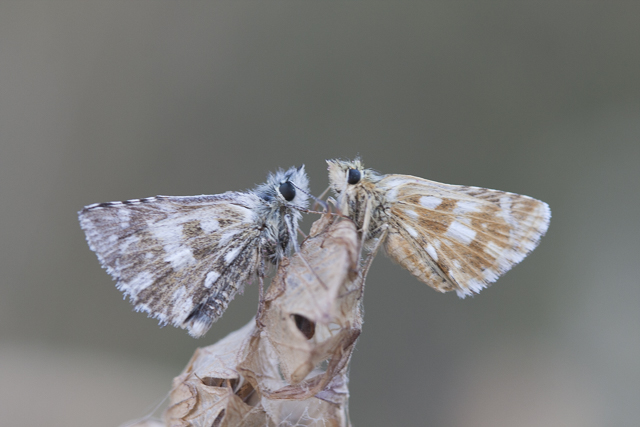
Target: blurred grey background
<point x="104" y="101"/>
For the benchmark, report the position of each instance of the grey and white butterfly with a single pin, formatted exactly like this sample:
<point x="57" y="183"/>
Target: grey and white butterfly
<point x="450" y="237"/>
<point x="183" y="259"/>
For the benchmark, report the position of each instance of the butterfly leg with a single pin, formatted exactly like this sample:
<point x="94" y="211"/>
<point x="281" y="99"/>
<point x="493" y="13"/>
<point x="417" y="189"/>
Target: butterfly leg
<point x="261" y="300"/>
<point x="382" y="231"/>
<point x="367" y="264"/>
<point x="365" y="224"/>
<point x="296" y="248"/>
<point x="333" y="202"/>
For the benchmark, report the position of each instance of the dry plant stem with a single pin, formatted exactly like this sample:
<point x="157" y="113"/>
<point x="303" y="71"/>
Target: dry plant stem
<point x="304" y="236"/>
<point x="269" y="373"/>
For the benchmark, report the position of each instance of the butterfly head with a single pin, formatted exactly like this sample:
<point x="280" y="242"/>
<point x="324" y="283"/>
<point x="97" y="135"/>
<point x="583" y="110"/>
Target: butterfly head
<point x="350" y="181"/>
<point x="344" y="173"/>
<point x="290" y="187"/>
<point x="346" y="176"/>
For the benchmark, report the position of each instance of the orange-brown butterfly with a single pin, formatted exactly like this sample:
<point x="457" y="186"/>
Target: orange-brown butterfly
<point x="453" y="238"/>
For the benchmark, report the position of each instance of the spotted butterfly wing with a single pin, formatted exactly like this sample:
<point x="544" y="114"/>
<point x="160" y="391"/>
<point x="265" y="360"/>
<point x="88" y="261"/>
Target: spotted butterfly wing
<point x="450" y="237"/>
<point x="183" y="259"/>
<point x="166" y="253"/>
<point x="456" y="237"/>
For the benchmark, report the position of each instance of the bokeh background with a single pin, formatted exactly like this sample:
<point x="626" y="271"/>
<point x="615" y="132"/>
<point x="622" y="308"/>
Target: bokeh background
<point x="104" y="101"/>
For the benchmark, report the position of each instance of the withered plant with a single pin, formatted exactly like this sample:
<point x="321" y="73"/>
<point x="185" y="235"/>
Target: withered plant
<point x="289" y="365"/>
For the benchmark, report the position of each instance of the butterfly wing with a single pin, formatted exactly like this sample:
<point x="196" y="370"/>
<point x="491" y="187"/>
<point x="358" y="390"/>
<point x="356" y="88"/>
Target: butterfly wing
<point x="180" y="259"/>
<point x="456" y="237"/>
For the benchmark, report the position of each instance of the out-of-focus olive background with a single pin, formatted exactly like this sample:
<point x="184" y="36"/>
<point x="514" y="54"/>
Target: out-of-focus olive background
<point x="104" y="101"/>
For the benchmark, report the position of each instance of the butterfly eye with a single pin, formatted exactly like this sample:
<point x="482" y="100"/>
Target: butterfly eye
<point x="354" y="176"/>
<point x="287" y="190"/>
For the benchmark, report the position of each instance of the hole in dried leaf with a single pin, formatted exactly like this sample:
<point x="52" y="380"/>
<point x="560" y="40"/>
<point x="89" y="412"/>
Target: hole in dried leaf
<point x="212" y="381"/>
<point x="304" y="325"/>
<point x="219" y="382"/>
<point x="218" y="420"/>
<point x="322" y="366"/>
<point x="245" y="392"/>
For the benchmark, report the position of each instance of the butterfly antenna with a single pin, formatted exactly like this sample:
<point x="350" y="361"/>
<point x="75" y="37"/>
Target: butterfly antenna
<point x="317" y="200"/>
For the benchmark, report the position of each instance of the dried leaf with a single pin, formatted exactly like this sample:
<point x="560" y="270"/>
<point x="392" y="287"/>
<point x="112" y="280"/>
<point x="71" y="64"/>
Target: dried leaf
<point x="206" y="393"/>
<point x="288" y="368"/>
<point x="313" y="316"/>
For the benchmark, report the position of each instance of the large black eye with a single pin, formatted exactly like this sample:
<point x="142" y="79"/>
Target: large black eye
<point x="288" y="191"/>
<point x="354" y="176"/>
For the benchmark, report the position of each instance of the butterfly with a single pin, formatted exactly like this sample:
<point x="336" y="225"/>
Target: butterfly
<point x="451" y="237"/>
<point x="183" y="259"/>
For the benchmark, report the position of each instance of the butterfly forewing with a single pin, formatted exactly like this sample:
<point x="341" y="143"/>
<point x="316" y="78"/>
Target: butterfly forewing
<point x="180" y="259"/>
<point x="456" y="237"/>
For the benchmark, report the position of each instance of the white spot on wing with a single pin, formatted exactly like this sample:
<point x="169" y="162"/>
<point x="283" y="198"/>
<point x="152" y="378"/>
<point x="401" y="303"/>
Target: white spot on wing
<point x="125" y="243"/>
<point x="209" y="225"/>
<point x="179" y="293"/>
<point x="232" y="254"/>
<point x="505" y="209"/>
<point x="226" y="237"/>
<point x="138" y="283"/>
<point x="410" y="212"/>
<point x="432" y="252"/>
<point x="211" y="278"/>
<point x="493" y="249"/>
<point x="464" y="220"/>
<point x="393" y="185"/>
<point x="430" y="202"/>
<point x="178" y="256"/>
<point x="461" y="232"/>
<point x="392" y="195"/>
<point x="124" y="216"/>
<point x="170" y="233"/>
<point x="464" y="207"/>
<point x="411" y="231"/>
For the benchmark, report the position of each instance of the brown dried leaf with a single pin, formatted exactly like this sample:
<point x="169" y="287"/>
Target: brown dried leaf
<point x="205" y="394"/>
<point x="314" y="316"/>
<point x="271" y="375"/>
